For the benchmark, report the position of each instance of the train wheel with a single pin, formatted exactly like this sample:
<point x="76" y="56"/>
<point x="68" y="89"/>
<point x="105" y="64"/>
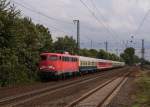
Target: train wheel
<point x="73" y="74"/>
<point x="79" y="74"/>
<point x="56" y="77"/>
<point x="63" y="76"/>
<point x="70" y="74"/>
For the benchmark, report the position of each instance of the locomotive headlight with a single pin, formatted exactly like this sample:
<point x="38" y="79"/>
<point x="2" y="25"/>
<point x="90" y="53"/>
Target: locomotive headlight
<point x="42" y="67"/>
<point x="51" y="67"/>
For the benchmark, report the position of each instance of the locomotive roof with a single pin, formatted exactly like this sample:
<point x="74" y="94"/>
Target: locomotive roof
<point x="87" y="58"/>
<point x="80" y="57"/>
<point x="58" y="54"/>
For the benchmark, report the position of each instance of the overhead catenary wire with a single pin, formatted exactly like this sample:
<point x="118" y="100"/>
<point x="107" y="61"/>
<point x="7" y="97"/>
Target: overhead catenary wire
<point x="103" y="18"/>
<point x="32" y="9"/>
<point x="101" y="22"/>
<point x="52" y="27"/>
<point x="137" y="31"/>
<point x="44" y="15"/>
<point x="97" y="19"/>
<point x="142" y="22"/>
<point x="40" y="13"/>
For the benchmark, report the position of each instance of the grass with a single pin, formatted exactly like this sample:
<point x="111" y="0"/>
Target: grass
<point x="143" y="90"/>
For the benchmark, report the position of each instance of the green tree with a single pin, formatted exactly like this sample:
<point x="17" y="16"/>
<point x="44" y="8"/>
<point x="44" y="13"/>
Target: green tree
<point x="106" y="55"/>
<point x="102" y="54"/>
<point x="21" y="42"/>
<point x="84" y="52"/>
<point x="129" y="56"/>
<point x="114" y="57"/>
<point x="66" y="43"/>
<point x="93" y="53"/>
<point x="44" y="38"/>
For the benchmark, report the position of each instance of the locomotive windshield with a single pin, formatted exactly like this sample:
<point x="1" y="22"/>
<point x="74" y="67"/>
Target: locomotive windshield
<point x="53" y="58"/>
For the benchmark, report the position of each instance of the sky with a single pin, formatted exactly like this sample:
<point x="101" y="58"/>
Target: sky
<point x="122" y="23"/>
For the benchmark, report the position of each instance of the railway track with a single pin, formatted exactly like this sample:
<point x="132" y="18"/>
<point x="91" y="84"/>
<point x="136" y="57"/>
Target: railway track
<point x="28" y="96"/>
<point x="102" y="95"/>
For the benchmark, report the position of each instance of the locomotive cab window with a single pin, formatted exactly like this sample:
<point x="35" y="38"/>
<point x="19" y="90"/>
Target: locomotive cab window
<point x="53" y="58"/>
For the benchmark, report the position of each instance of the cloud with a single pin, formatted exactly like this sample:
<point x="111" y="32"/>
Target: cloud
<point x="121" y="16"/>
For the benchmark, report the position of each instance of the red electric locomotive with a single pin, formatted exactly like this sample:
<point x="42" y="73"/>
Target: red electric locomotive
<point x="55" y="64"/>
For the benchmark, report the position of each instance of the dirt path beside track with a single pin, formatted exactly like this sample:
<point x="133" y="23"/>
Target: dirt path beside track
<point x="126" y="96"/>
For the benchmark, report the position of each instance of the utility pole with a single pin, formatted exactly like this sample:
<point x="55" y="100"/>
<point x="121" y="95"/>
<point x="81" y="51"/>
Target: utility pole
<point x="91" y="44"/>
<point x="142" y="53"/>
<point x="117" y="53"/>
<point x="78" y="34"/>
<point x="106" y="46"/>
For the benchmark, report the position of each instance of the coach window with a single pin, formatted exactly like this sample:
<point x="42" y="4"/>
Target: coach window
<point x="66" y="59"/>
<point x="63" y="58"/>
<point x="84" y="63"/>
<point x="93" y="63"/>
<point x="60" y="58"/>
<point x="69" y="59"/>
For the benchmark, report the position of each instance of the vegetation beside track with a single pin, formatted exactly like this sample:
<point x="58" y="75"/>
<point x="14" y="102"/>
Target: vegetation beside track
<point x="143" y="90"/>
<point x="21" y="42"/>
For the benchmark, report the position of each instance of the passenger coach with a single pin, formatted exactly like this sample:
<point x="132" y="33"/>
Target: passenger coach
<point x="87" y="64"/>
